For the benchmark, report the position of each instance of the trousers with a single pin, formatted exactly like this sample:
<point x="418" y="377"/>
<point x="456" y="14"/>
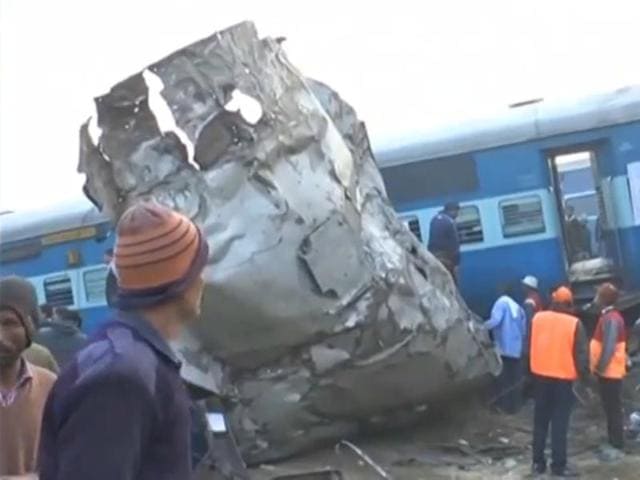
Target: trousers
<point x="611" y="396"/>
<point x="553" y="404"/>
<point x="509" y="385"/>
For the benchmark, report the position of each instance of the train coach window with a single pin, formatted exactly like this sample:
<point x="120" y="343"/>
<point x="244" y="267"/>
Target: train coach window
<point x="522" y="216"/>
<point x="469" y="225"/>
<point x="58" y="291"/>
<point x="95" y="284"/>
<point x="413" y="224"/>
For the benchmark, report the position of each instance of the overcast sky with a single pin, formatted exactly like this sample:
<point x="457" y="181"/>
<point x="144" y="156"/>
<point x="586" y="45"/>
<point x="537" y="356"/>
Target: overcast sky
<point x="404" y="67"/>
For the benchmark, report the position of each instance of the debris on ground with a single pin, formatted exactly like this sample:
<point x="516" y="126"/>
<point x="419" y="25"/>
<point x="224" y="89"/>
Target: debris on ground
<point x="468" y="441"/>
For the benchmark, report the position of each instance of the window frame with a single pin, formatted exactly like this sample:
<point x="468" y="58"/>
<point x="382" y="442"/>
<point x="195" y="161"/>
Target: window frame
<point x="479" y="218"/>
<point x="515" y="200"/>
<point x="49" y="279"/>
<point x="407" y="223"/>
<point x="87" y="298"/>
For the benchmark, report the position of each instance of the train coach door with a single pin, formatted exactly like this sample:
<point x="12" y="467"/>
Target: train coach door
<point x="583" y="202"/>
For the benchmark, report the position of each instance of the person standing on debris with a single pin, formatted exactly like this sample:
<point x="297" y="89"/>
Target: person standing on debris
<point x="120" y="410"/>
<point x="62" y="335"/>
<point x="508" y="327"/>
<point x="558" y="357"/>
<point x="23" y="386"/>
<point x="608" y="350"/>
<point x="444" y="242"/>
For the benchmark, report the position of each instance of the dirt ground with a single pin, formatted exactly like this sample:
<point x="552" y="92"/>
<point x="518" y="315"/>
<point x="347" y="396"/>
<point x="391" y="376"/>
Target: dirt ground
<point x="468" y="441"/>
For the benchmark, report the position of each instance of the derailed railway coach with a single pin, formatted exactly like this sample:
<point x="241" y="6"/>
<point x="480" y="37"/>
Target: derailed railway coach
<point x="551" y="190"/>
<point x="62" y="250"/>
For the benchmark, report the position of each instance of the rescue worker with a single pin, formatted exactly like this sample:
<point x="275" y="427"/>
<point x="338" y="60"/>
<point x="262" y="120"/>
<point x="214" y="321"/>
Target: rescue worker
<point x="508" y="328"/>
<point x="608" y="349"/>
<point x="24" y="387"/>
<point x="558" y="356"/>
<point x="120" y="410"/>
<point x="444" y="243"/>
<point x="532" y="300"/>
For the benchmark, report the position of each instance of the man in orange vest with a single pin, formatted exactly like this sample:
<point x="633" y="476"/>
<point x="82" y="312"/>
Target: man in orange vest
<point x="608" y="349"/>
<point x="558" y="357"/>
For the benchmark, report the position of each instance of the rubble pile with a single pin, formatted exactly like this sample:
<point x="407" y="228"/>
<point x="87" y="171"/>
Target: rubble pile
<point x="323" y="315"/>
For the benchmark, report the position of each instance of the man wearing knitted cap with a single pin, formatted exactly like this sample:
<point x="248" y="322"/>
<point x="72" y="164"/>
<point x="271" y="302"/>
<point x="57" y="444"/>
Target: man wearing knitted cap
<point x="608" y="351"/>
<point x="120" y="410"/>
<point x="23" y="387"/>
<point x="558" y="357"/>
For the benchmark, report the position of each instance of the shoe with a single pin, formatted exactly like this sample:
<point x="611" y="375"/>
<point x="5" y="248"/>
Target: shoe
<point x="566" y="472"/>
<point x="609" y="454"/>
<point x="538" y="469"/>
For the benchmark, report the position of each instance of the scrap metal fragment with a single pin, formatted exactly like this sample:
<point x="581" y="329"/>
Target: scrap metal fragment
<point x="322" y="314"/>
<point x="366" y="458"/>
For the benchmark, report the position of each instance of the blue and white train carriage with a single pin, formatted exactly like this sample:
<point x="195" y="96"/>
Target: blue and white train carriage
<point x="61" y="251"/>
<point x="517" y="177"/>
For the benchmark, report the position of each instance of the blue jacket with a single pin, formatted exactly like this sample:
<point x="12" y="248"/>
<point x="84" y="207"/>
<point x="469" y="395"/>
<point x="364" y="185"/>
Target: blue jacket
<point x="443" y="237"/>
<point x="508" y="325"/>
<point x="119" y="410"/>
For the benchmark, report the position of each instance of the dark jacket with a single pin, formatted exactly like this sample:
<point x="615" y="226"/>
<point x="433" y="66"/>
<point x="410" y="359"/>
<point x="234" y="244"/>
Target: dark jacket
<point x="443" y="237"/>
<point x="62" y="339"/>
<point x="118" y="411"/>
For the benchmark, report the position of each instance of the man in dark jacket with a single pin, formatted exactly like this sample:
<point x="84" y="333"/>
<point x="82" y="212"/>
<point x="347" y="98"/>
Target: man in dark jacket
<point x="62" y="335"/>
<point x="558" y="353"/>
<point x="120" y="410"/>
<point x="444" y="243"/>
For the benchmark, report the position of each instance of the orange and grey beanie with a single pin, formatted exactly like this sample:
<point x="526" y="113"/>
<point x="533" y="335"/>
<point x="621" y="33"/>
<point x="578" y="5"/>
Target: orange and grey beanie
<point x="158" y="253"/>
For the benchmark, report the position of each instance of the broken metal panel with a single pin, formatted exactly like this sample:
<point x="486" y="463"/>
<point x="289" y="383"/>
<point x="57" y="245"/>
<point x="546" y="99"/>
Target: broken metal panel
<point x="322" y="313"/>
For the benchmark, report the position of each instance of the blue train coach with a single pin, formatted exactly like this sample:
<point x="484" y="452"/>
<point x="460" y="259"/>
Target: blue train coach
<point x="551" y="190"/>
<point x="61" y="250"/>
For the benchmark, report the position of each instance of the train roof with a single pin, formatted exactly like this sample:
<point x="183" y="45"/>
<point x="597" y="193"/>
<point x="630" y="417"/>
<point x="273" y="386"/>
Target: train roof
<point x="516" y="125"/>
<point x="22" y="225"/>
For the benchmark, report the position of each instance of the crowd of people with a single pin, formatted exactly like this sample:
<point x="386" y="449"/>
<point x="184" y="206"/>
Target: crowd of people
<point x="113" y="406"/>
<point x="547" y="349"/>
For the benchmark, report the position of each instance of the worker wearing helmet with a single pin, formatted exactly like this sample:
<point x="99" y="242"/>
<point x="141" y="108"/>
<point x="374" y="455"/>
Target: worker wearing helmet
<point x="609" y="359"/>
<point x="533" y="301"/>
<point x="558" y="357"/>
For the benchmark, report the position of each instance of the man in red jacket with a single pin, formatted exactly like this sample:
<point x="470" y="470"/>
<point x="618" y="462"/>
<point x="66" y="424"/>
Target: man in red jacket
<point x="608" y="349"/>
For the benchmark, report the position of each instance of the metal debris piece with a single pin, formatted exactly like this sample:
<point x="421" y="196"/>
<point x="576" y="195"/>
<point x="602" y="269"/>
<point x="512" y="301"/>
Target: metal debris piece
<point x="366" y="458"/>
<point x="323" y="315"/>
<point x="324" y="474"/>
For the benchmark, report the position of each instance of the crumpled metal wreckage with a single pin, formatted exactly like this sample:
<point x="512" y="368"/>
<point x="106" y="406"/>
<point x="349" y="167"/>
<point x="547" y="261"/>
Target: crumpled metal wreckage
<point x="322" y="315"/>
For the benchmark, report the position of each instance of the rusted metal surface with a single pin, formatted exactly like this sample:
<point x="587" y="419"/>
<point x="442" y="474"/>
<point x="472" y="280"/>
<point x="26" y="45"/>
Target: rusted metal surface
<point x="323" y="314"/>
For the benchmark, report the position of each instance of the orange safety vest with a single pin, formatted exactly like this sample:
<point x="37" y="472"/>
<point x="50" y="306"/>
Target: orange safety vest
<point x="552" y="345"/>
<point x="617" y="367"/>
